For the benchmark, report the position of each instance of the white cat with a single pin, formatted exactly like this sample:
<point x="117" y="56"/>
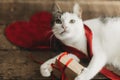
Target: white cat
<point x="69" y="29"/>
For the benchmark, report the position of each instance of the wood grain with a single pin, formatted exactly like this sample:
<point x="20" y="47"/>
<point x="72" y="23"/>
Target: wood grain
<point x="15" y="64"/>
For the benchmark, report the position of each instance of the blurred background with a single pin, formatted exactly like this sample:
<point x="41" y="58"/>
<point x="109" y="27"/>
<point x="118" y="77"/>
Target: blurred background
<point x="11" y="10"/>
<point x="14" y="61"/>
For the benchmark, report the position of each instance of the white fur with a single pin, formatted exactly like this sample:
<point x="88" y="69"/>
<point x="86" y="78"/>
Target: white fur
<point x="77" y="10"/>
<point x="106" y="41"/>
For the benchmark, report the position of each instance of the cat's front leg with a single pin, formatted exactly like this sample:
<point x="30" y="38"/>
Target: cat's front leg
<point x="46" y="67"/>
<point x="96" y="64"/>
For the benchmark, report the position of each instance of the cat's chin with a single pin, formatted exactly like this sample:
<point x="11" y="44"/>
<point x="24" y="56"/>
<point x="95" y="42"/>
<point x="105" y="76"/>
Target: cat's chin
<point x="64" y="33"/>
<point x="64" y="36"/>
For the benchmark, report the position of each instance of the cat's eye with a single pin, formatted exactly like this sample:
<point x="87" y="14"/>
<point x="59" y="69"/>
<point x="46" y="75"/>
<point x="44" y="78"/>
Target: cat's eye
<point x="72" y="21"/>
<point x="58" y="21"/>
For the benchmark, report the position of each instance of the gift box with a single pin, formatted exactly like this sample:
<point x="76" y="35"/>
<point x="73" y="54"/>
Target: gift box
<point x="66" y="68"/>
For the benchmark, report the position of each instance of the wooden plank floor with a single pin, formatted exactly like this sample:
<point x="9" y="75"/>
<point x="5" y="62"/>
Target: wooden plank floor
<point x="16" y="65"/>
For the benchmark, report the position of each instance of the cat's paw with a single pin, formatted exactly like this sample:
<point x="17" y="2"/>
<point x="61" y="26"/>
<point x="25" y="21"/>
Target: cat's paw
<point x="45" y="70"/>
<point x="83" y="76"/>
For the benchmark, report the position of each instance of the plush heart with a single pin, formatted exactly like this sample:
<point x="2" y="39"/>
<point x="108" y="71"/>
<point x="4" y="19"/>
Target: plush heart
<point x="32" y="34"/>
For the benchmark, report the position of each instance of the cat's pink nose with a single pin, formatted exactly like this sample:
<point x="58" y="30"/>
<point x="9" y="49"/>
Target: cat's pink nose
<point x="64" y="27"/>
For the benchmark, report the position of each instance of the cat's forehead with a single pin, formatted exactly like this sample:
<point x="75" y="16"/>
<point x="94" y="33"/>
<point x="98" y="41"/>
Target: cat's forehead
<point x="68" y="15"/>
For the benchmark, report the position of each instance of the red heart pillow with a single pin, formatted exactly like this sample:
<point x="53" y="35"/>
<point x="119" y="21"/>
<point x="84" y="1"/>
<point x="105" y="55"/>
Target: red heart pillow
<point x="31" y="34"/>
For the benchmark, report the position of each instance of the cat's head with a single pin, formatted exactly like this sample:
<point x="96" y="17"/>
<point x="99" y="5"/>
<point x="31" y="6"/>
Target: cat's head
<point x="69" y="24"/>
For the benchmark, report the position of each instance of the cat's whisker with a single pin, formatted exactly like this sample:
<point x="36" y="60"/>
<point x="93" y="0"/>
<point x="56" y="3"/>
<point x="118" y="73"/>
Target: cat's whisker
<point x="51" y="38"/>
<point x="55" y="30"/>
<point x="48" y="32"/>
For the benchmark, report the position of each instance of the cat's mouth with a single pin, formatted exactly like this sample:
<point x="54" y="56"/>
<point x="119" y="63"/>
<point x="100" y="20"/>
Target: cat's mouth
<point x="64" y="31"/>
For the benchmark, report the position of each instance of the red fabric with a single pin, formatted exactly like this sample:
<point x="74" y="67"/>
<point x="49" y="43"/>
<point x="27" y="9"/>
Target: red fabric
<point x="36" y="34"/>
<point x="110" y="74"/>
<point x="32" y="34"/>
<point x="88" y="34"/>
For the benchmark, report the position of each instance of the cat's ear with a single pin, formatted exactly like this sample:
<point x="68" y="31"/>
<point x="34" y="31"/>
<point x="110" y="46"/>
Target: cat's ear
<point x="77" y="10"/>
<point x="56" y="9"/>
